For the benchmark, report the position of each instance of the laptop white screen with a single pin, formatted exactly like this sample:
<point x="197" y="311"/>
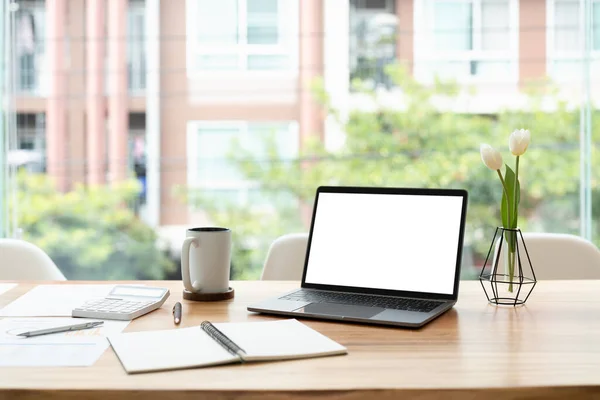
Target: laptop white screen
<point x="385" y="241"/>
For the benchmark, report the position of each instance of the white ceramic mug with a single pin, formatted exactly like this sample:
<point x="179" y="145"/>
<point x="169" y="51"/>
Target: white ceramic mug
<point x="206" y="260"/>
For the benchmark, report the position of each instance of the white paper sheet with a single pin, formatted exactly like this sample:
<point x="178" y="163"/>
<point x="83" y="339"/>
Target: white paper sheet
<point x="53" y="300"/>
<point x="67" y="349"/>
<point x="5" y="287"/>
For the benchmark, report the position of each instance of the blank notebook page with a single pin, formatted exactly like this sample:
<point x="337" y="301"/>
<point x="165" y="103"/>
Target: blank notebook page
<point x="168" y="349"/>
<point x="278" y="340"/>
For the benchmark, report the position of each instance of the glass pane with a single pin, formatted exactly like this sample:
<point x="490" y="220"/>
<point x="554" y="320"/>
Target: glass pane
<point x="217" y="62"/>
<point x="567" y="70"/>
<point x="217" y="22"/>
<point x="566" y="25"/>
<point x="214" y="145"/>
<point x="136" y="49"/>
<point x="266" y="62"/>
<point x="453" y="22"/>
<point x="286" y="141"/>
<point x="491" y="69"/>
<point x="495" y="25"/>
<point x="217" y="147"/>
<point x="372" y="42"/>
<point x="263" y="22"/>
<point x="374" y="4"/>
<point x="29" y="28"/>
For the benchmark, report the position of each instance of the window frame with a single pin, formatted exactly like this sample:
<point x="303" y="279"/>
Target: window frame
<point x="553" y="56"/>
<point x="426" y="54"/>
<point x="288" y="18"/>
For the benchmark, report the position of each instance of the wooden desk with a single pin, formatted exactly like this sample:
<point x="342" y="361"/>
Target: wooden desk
<point x="549" y="349"/>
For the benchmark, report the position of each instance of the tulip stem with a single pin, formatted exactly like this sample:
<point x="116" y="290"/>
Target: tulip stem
<point x="515" y="193"/>
<point x="508" y="209"/>
<point x="513" y="236"/>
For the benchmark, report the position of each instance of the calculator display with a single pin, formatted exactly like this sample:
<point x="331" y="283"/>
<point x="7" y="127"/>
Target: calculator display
<point x="133" y="291"/>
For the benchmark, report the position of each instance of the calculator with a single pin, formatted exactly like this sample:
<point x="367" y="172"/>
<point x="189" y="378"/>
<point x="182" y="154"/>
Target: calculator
<point x="123" y="303"/>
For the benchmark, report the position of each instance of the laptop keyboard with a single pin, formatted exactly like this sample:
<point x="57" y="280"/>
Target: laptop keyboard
<point x="396" y="303"/>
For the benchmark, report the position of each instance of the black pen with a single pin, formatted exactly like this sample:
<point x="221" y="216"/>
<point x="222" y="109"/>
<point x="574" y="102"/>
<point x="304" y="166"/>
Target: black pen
<point x="177" y="313"/>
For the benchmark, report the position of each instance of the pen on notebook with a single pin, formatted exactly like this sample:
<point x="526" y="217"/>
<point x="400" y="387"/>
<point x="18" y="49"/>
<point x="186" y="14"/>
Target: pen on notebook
<point x="58" y="329"/>
<point x="177" y="313"/>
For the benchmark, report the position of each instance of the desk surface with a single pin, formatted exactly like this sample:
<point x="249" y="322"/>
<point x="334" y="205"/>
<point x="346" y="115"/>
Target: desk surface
<point x="548" y="349"/>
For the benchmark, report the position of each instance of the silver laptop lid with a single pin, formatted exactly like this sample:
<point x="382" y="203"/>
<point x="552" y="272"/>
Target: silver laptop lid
<point x="392" y="241"/>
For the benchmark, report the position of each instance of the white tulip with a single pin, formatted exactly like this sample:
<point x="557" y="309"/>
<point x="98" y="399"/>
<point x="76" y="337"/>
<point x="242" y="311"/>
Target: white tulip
<point x="491" y="157"/>
<point x="518" y="141"/>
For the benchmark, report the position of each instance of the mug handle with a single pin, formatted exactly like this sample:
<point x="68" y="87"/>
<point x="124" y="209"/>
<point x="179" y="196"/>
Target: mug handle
<point x="185" y="262"/>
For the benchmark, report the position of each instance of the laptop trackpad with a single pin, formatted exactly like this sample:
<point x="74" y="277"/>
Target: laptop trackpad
<point x="340" y="310"/>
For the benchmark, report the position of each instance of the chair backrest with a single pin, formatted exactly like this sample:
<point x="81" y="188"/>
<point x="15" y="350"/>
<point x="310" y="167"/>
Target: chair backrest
<point x="21" y="260"/>
<point x="562" y="256"/>
<point x="285" y="259"/>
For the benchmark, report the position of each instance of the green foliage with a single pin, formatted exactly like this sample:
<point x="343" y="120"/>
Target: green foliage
<point x="90" y="233"/>
<point x="419" y="145"/>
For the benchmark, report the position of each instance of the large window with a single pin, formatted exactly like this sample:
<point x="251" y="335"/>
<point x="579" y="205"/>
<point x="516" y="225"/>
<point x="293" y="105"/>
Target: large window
<point x="242" y="35"/>
<point x="231" y="134"/>
<point x="468" y="40"/>
<point x="566" y="39"/>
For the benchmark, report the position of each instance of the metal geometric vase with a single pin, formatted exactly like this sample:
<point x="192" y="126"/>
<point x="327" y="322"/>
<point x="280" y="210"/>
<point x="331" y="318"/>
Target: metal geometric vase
<point x="509" y="258"/>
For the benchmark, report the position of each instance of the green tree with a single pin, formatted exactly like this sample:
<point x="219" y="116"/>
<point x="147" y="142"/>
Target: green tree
<point x="418" y="144"/>
<point x="89" y="233"/>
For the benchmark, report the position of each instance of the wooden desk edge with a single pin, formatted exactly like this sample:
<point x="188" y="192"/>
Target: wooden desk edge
<point x="571" y="392"/>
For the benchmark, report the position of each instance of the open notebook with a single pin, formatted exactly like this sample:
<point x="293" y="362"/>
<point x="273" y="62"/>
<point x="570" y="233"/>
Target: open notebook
<point x="222" y="343"/>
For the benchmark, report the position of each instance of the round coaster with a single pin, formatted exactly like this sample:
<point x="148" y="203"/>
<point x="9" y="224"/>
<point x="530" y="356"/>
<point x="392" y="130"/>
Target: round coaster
<point x="187" y="295"/>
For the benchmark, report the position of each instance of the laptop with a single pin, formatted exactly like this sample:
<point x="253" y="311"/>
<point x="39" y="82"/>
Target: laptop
<point x="388" y="256"/>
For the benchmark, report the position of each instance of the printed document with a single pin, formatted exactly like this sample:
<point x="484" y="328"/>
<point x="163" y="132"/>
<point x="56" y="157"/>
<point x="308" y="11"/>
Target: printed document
<point x="65" y="349"/>
<point x="53" y="300"/>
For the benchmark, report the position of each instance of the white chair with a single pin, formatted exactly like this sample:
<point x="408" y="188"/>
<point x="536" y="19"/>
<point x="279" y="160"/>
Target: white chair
<point x="21" y="260"/>
<point x="285" y="259"/>
<point x="560" y="256"/>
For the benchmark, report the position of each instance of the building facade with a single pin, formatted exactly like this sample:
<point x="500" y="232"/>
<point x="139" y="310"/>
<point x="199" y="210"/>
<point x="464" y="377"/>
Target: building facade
<point x="109" y="88"/>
